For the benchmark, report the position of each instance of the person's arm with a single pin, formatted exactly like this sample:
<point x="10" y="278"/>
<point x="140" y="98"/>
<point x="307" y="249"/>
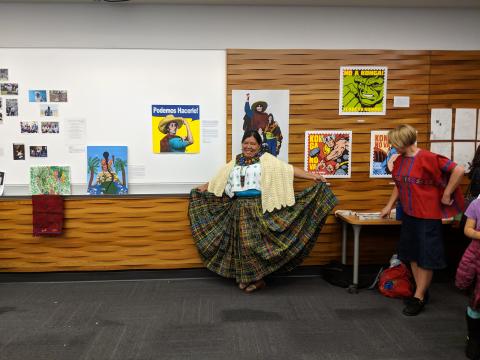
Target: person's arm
<point x="388" y="208"/>
<point x="189" y="138"/>
<point x="203" y="188"/>
<point x="456" y="177"/>
<point x="248" y="110"/>
<point x="302" y="174"/>
<point x="470" y="231"/>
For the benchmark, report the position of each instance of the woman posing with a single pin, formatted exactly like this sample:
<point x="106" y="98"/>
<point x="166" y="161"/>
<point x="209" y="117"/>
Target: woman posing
<point x="247" y="222"/>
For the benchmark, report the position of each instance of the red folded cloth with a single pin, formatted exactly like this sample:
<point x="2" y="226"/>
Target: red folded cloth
<point x="47" y="214"/>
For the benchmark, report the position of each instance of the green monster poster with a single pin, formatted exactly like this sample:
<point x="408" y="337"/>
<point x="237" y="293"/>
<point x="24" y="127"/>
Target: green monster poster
<point x="363" y="90"/>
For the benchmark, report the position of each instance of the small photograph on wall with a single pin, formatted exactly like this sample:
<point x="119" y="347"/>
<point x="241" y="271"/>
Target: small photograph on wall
<point x="38" y="151"/>
<point x="382" y="155"/>
<point x="3" y="74"/>
<point x="107" y="170"/>
<point x="11" y="107"/>
<point x="9" y="89"/>
<point x="266" y="111"/>
<point x="58" y="96"/>
<point x="176" y="129"/>
<point x="50" y="180"/>
<point x="50" y="127"/>
<point x="48" y="110"/>
<point x="327" y="152"/>
<point x="18" y="151"/>
<point x="28" y="127"/>
<point x="37" y="95"/>
<point x="363" y="90"/>
<point x="2" y="181"/>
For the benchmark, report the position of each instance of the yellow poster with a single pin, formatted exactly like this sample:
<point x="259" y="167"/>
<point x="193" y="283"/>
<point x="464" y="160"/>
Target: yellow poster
<point x="176" y="128"/>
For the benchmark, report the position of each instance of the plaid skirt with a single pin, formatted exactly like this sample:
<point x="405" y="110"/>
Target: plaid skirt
<point x="236" y="239"/>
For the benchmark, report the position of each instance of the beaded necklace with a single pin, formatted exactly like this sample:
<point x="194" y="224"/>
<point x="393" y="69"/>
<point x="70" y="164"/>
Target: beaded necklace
<point x="242" y="161"/>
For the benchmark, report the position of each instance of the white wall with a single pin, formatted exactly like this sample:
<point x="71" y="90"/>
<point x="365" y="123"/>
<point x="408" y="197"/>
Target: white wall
<point x="100" y="25"/>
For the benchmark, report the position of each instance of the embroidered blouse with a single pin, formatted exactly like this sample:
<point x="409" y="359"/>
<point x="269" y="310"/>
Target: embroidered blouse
<point x="421" y="180"/>
<point x="252" y="178"/>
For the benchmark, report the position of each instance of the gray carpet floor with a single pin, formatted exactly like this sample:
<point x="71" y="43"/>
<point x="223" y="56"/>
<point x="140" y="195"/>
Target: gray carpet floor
<point x="209" y="318"/>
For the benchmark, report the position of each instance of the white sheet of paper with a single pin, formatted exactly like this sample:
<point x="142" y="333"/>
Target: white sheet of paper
<point x="478" y="126"/>
<point x="76" y="135"/>
<point x="441" y="124"/>
<point x="209" y="131"/>
<point x="136" y="172"/>
<point x="465" y="124"/>
<point x="401" y="101"/>
<point x="463" y="153"/>
<point x="442" y="148"/>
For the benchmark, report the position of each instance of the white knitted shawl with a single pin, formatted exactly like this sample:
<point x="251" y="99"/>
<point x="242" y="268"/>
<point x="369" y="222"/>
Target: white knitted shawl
<point x="276" y="182"/>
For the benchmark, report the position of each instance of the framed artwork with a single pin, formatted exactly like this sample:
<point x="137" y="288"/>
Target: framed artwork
<point x="382" y="155"/>
<point x="363" y="90"/>
<point x="327" y="152"/>
<point x="107" y="170"/>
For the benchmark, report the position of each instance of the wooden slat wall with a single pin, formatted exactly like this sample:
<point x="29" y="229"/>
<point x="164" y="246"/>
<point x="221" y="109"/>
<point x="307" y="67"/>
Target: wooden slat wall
<point x="100" y="234"/>
<point x="312" y="76"/>
<point x="153" y="233"/>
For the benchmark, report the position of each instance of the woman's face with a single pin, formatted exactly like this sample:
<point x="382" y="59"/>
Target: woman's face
<point x="172" y="128"/>
<point x="250" y="147"/>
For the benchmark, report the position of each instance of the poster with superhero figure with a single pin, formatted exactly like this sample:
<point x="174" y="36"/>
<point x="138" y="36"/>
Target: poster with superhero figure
<point x="382" y="155"/>
<point x="327" y="152"/>
<point x="363" y="90"/>
<point x="266" y="111"/>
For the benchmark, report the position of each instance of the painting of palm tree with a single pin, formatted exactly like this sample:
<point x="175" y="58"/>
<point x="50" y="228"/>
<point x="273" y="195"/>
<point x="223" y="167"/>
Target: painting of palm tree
<point x="104" y="165"/>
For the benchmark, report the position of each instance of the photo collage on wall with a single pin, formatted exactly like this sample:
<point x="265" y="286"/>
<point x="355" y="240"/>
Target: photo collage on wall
<point x="42" y="124"/>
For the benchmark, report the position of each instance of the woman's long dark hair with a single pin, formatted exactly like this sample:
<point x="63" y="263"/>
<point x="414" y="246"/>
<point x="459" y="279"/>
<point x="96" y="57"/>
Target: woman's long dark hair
<point x="105" y="156"/>
<point x="475" y="164"/>
<point x="255" y="134"/>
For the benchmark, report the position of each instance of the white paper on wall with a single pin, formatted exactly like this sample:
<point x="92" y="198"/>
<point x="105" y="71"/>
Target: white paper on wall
<point x="478" y="125"/>
<point x="442" y="148"/>
<point x="465" y="124"/>
<point x="441" y="124"/>
<point x="463" y="153"/>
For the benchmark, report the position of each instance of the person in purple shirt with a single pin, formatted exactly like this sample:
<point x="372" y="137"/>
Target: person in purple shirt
<point x="468" y="273"/>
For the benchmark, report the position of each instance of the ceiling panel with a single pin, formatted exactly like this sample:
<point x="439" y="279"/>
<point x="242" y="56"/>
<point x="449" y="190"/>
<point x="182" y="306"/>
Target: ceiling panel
<point x="359" y="3"/>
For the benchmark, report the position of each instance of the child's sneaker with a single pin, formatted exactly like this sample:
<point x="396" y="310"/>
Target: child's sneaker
<point x="414" y="307"/>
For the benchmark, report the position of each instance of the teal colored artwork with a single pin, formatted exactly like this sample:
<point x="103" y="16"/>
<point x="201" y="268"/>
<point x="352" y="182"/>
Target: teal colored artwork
<point x="107" y="170"/>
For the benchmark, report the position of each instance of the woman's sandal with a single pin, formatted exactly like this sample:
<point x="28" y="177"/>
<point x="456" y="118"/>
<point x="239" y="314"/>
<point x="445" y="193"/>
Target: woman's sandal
<point x="243" y="286"/>
<point x="258" y="285"/>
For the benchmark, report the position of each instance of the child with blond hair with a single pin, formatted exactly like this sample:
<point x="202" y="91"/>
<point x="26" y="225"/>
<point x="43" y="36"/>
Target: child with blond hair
<point x="426" y="185"/>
